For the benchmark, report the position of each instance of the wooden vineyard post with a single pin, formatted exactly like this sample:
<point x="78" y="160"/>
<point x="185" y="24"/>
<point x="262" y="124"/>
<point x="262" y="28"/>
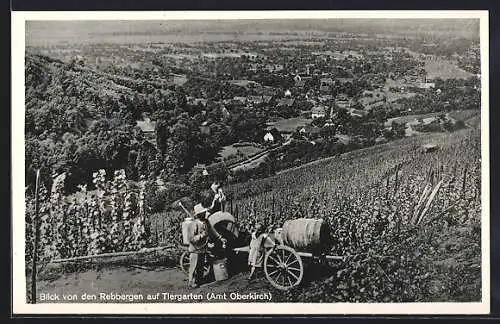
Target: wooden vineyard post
<point x="35" y="241"/>
<point x="156" y="230"/>
<point x="464" y="180"/>
<point x="387" y="188"/>
<point x="396" y="181"/>
<point x="274" y="207"/>
<point x="98" y="219"/>
<point x="163" y="227"/>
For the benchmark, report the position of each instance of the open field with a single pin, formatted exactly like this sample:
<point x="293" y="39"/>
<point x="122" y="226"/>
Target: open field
<point x="395" y="96"/>
<point x="445" y="70"/>
<point x="409" y="118"/>
<point x="253" y="163"/>
<point x="474" y="121"/>
<point x="246" y="151"/>
<point x="464" y="115"/>
<point x="289" y="125"/>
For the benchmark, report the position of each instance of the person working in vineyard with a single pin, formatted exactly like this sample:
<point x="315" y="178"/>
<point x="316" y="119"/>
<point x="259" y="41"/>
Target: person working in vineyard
<point x="217" y="197"/>
<point x="261" y="233"/>
<point x="202" y="233"/>
<point x="256" y="252"/>
<point x="213" y="201"/>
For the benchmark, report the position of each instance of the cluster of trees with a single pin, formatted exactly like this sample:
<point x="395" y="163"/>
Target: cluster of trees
<point x="440" y="124"/>
<point x="208" y="88"/>
<point x="79" y="121"/>
<point x="456" y="94"/>
<point x="301" y="151"/>
<point x="107" y="148"/>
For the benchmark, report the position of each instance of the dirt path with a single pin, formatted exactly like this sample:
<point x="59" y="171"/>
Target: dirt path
<point x="142" y="282"/>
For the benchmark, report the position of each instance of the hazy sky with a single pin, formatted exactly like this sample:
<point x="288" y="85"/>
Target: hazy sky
<point x="39" y="32"/>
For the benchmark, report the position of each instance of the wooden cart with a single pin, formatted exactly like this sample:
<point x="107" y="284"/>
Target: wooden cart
<point x="283" y="266"/>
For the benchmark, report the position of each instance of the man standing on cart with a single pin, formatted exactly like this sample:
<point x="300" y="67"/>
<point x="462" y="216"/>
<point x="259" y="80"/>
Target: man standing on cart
<point x="201" y="233"/>
<point x="215" y="198"/>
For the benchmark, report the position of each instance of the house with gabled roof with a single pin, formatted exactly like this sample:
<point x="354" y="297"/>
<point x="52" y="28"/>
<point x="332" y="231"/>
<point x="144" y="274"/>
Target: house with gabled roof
<point x="177" y="79"/>
<point x="240" y="99"/>
<point x="148" y="128"/>
<point x="259" y="99"/>
<point x="357" y="112"/>
<point x="146" y="125"/>
<point x="286" y="102"/>
<point x="299" y="82"/>
<point x="326" y="85"/>
<point x="318" y="112"/>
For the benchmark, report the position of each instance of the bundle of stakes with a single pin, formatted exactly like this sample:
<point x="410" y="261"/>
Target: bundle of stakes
<point x="425" y="201"/>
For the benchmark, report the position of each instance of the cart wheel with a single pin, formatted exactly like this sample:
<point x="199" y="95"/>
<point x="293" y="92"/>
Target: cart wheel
<point x="184" y="263"/>
<point x="283" y="267"/>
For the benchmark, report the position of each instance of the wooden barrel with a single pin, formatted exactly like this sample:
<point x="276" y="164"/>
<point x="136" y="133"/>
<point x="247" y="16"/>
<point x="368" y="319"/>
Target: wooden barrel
<point x="307" y="235"/>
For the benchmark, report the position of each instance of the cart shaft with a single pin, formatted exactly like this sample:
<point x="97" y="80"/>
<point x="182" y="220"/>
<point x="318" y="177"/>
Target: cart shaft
<point x="328" y="257"/>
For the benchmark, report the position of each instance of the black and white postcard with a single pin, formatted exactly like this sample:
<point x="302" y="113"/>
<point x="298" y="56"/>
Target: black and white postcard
<point x="279" y="162"/>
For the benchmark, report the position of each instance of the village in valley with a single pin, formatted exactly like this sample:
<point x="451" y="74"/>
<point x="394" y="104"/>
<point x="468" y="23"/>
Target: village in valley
<point x="345" y="91"/>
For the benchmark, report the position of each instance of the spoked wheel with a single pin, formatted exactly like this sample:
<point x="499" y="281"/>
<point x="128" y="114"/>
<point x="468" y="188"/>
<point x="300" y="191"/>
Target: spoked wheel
<point x="184" y="263"/>
<point x="283" y="267"/>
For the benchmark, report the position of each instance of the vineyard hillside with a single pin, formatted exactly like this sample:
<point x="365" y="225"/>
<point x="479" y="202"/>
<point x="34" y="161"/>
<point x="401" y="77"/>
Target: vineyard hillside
<point x="404" y="243"/>
<point x="404" y="249"/>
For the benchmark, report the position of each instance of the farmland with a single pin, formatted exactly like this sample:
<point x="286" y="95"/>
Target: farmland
<point x="290" y="124"/>
<point x="464" y="115"/>
<point x="253" y="163"/>
<point x="394" y="96"/>
<point x="444" y="69"/>
<point x="410" y="118"/>
<point x="245" y="151"/>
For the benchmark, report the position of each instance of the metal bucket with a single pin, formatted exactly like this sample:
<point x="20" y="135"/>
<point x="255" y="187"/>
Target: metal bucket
<point x="220" y="269"/>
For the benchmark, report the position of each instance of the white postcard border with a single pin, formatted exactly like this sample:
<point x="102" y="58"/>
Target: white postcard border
<point x="18" y="156"/>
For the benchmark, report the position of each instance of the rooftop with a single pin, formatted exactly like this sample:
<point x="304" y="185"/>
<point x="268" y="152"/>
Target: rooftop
<point x="146" y="125"/>
<point x="286" y="102"/>
<point x="318" y="110"/>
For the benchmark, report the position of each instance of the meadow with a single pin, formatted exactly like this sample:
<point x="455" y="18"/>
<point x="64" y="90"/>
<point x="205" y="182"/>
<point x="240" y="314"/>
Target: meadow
<point x="289" y="125"/>
<point x="444" y="69"/>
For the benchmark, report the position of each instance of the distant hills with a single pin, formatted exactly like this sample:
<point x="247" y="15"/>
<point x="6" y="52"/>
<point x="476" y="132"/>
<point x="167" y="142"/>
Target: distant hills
<point x="56" y="32"/>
